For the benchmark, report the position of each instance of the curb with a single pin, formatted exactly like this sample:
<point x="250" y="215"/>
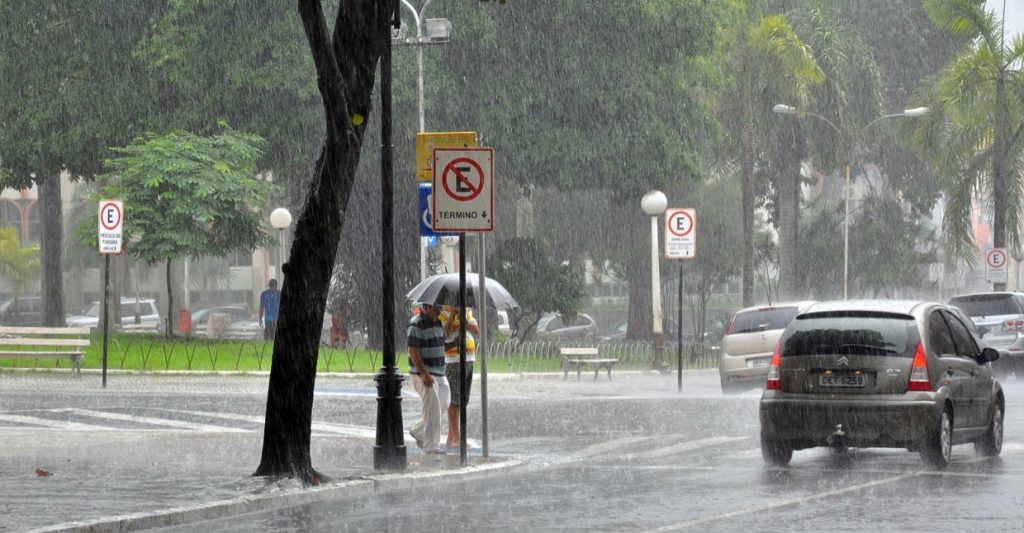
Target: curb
<point x="275" y="500"/>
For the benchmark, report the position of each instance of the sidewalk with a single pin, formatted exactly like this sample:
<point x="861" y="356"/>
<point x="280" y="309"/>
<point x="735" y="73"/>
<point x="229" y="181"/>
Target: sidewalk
<point x="96" y="479"/>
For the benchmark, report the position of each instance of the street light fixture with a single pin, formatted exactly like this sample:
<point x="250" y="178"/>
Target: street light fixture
<point x="654" y="203"/>
<point x="280" y="219"/>
<point x="783" y="109"/>
<point x="437" y="31"/>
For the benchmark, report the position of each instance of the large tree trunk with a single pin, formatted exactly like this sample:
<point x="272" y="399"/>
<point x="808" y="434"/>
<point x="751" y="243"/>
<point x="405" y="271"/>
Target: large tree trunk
<point x="345" y="68"/>
<point x="789" y="214"/>
<point x="747" y="199"/>
<point x="52" y="246"/>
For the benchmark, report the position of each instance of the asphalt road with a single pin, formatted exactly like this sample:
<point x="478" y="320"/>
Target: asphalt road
<point x="629" y="455"/>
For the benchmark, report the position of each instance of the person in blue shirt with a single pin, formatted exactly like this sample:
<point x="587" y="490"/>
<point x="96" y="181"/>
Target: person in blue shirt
<point x="270" y="304"/>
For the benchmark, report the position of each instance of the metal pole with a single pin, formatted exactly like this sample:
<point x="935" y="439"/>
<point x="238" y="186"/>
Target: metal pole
<point x="481" y="348"/>
<point x="679" y="326"/>
<point x="659" y="363"/>
<point x="106" y="313"/>
<point x="389" y="451"/>
<point x="846" y="237"/>
<point x="462" y="348"/>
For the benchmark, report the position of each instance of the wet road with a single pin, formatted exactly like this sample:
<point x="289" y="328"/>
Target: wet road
<point x="639" y="456"/>
<point x="633" y="454"/>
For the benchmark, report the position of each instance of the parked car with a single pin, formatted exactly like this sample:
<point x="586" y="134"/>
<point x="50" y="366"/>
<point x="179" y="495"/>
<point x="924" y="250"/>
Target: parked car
<point x="748" y="342"/>
<point x="149" y="315"/>
<point x="504" y="325"/>
<point x="551" y="327"/>
<point x="241" y="323"/>
<point x="27" y="312"/>
<point x="879" y="373"/>
<point x="1001" y="314"/>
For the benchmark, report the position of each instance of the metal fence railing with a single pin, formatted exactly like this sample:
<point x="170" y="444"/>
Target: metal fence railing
<point x="150" y="352"/>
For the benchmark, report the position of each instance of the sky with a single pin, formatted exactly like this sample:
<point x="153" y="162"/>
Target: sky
<point x="1014" y="14"/>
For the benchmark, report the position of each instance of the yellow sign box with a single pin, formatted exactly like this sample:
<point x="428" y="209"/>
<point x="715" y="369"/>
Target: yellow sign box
<point x="426" y="142"/>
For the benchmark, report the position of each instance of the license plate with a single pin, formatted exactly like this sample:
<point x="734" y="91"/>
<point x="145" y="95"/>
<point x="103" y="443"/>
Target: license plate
<point x="761" y="362"/>
<point x="841" y="381"/>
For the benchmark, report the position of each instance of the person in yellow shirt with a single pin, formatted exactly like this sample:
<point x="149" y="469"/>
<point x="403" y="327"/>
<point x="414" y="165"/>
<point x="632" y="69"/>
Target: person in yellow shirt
<point x="450" y="319"/>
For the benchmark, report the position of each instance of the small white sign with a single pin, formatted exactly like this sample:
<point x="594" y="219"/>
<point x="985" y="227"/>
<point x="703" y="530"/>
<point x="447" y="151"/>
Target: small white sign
<point x="111" y="221"/>
<point x="463" y="196"/>
<point x="680" y="233"/>
<point x="995" y="265"/>
<point x="936" y="271"/>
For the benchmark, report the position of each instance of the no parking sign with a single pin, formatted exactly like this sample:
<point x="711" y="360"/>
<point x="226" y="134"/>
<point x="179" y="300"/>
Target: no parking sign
<point x="995" y="265"/>
<point x="111" y="221"/>
<point x="680" y="233"/>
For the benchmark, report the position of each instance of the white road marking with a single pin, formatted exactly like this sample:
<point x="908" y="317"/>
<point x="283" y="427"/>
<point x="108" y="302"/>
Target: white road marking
<point x="323" y="427"/>
<point x="45" y="422"/>
<point x="153" y="421"/>
<point x="682" y="447"/>
<point x="782" y="503"/>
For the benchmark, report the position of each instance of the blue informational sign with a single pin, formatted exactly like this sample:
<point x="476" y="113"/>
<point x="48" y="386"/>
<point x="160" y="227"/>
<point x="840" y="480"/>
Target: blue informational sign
<point x="425" y="226"/>
<point x="432" y="241"/>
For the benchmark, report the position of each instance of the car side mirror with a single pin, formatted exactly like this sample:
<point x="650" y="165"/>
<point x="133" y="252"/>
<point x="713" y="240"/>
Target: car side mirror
<point x="988" y="355"/>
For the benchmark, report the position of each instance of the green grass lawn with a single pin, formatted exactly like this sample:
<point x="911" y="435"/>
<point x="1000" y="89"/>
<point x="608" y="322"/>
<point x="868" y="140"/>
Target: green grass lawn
<point x="155" y="353"/>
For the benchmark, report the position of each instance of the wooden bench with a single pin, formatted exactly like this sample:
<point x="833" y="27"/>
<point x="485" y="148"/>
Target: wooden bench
<point x="45" y="343"/>
<point x="577" y="358"/>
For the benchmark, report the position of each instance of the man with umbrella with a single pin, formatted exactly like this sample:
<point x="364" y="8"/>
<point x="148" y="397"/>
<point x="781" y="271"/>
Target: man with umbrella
<point x="425" y="338"/>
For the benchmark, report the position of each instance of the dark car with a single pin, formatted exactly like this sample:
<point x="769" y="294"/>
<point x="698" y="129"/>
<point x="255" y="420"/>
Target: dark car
<point x="881" y="374"/>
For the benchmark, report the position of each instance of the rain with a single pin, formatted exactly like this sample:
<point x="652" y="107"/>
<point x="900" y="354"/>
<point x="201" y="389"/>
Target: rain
<point x="824" y="152"/>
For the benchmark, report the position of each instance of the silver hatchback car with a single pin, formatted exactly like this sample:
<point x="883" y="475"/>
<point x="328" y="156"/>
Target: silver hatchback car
<point x="748" y="341"/>
<point x="880" y="373"/>
<point x="1001" y="314"/>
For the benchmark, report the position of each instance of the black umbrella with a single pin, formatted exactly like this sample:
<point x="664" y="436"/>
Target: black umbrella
<point x="443" y="289"/>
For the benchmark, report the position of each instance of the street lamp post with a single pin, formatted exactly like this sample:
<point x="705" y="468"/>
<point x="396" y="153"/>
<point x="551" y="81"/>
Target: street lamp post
<point x="654" y="203"/>
<point x="437" y="32"/>
<point x="280" y="219"/>
<point x="783" y="109"/>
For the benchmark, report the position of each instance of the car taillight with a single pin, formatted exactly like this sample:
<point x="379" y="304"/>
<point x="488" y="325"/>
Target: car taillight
<point x="919" y="381"/>
<point x="773" y="382"/>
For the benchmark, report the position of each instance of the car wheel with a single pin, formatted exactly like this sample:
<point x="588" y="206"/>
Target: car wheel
<point x="938" y="447"/>
<point x="775" y="452"/>
<point x="991" y="443"/>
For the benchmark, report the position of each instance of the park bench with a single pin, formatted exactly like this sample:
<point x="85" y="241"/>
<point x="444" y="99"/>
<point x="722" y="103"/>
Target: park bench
<point x="577" y="358"/>
<point x="44" y="343"/>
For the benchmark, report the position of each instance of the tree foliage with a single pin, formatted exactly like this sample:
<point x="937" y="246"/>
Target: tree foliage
<point x="540" y="283"/>
<point x="188" y="196"/>
<point x="19" y="265"/>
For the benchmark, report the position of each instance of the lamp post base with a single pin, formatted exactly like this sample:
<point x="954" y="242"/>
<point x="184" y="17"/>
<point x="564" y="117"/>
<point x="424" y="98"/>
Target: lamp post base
<point x="659" y="363"/>
<point x="389" y="451"/>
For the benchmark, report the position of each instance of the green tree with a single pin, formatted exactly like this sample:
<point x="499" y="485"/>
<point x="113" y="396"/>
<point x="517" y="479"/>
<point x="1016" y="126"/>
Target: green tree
<point x="540" y="283"/>
<point x="68" y="90"/>
<point x="188" y="196"/>
<point x="849" y="98"/>
<point x="974" y="135"/>
<point x="19" y="265"/>
<point x="768" y="63"/>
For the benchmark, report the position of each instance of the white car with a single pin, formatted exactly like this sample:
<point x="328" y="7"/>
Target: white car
<point x="149" y="315"/>
<point x="749" y="341"/>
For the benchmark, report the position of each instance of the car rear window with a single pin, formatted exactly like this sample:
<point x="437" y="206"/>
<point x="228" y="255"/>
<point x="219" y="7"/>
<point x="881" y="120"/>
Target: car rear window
<point x="987" y="304"/>
<point x="851" y="334"/>
<point x="763" y="319"/>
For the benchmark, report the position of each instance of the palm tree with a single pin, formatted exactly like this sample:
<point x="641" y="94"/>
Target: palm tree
<point x="772" y="64"/>
<point x="973" y="138"/>
<point x="849" y="97"/>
